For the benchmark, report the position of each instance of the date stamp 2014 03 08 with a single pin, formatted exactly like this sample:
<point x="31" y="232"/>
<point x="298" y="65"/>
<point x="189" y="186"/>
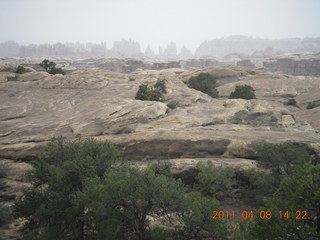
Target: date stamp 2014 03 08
<point x="299" y="214"/>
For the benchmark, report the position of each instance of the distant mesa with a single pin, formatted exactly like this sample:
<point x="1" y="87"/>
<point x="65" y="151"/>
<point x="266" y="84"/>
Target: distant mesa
<point x="220" y="48"/>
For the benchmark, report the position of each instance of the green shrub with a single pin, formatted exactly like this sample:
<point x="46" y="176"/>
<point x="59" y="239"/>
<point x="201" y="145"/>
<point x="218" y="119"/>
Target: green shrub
<point x="57" y="71"/>
<point x="161" y="84"/>
<point x="154" y="93"/>
<point x="121" y="202"/>
<point x="281" y="158"/>
<point x="215" y="181"/>
<point x="205" y="83"/>
<point x="291" y="101"/>
<point x="313" y="104"/>
<point x="12" y="78"/>
<point x="50" y="67"/>
<point x="196" y="220"/>
<point x="244" y="92"/>
<point x="52" y="205"/>
<point x="158" y="233"/>
<point x="5" y="215"/>
<point x="255" y="185"/>
<point x="298" y="192"/>
<point x="80" y="191"/>
<point x="162" y="168"/>
<point x="21" y="70"/>
<point x="173" y="104"/>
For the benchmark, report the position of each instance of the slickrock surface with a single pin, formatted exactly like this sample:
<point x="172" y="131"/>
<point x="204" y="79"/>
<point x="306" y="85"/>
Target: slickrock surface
<point x="101" y="104"/>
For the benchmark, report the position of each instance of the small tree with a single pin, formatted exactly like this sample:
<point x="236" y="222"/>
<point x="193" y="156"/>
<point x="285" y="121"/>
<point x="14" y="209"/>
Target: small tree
<point x="244" y="92"/>
<point x="123" y="200"/>
<point x="281" y="158"/>
<point x="52" y="205"/>
<point x="154" y="93"/>
<point x="298" y="199"/>
<point x="196" y="219"/>
<point x="214" y="181"/>
<point x="21" y="70"/>
<point x="255" y="185"/>
<point x="161" y="84"/>
<point x="205" y="83"/>
<point x="50" y="67"/>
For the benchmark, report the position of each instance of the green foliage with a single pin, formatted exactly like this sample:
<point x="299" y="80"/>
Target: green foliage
<point x="281" y="158"/>
<point x="78" y="192"/>
<point x="5" y="215"/>
<point x="158" y="233"/>
<point x="47" y="65"/>
<point x="129" y="195"/>
<point x="214" y="181"/>
<point x="57" y="71"/>
<point x="313" y="104"/>
<point x="161" y="84"/>
<point x="173" y="104"/>
<point x="21" y="70"/>
<point x="196" y="218"/>
<point x="255" y="185"/>
<point x="205" y="83"/>
<point x="15" y="78"/>
<point x="244" y="92"/>
<point x="291" y="101"/>
<point x="297" y="192"/>
<point x="52" y="205"/>
<point x="163" y="168"/>
<point x="154" y="93"/>
<point x="50" y="67"/>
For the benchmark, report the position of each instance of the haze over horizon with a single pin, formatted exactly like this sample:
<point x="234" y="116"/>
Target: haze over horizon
<point x="156" y="23"/>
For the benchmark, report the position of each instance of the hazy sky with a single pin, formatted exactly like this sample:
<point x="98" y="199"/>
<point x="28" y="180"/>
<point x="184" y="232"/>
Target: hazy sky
<point x="155" y="22"/>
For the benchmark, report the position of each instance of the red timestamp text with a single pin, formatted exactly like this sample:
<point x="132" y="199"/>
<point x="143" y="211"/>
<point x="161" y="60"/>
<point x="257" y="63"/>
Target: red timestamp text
<point x="299" y="214"/>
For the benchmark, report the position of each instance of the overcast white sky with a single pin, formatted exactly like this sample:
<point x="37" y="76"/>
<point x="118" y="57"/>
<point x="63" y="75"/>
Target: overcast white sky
<point x="155" y="22"/>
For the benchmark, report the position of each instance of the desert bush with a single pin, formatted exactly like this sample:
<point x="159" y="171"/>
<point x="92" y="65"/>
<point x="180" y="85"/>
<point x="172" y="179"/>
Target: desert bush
<point x="50" y="67"/>
<point x="80" y="190"/>
<point x="298" y="192"/>
<point x="21" y="70"/>
<point x="158" y="233"/>
<point x="214" y="181"/>
<point x="205" y="83"/>
<point x="244" y="92"/>
<point x="161" y="84"/>
<point x="291" y="101"/>
<point x="313" y="104"/>
<point x="196" y="220"/>
<point x="173" y="104"/>
<point x="12" y="78"/>
<point x="154" y="93"/>
<point x="281" y="158"/>
<point x="254" y="185"/>
<point x="52" y="205"/>
<point x="5" y="215"/>
<point x="162" y="168"/>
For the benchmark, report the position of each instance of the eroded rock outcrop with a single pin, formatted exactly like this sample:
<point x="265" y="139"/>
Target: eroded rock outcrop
<point x="99" y="103"/>
<point x="297" y="64"/>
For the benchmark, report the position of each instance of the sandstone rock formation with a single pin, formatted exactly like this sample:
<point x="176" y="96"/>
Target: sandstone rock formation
<point x="98" y="103"/>
<point x="297" y="64"/>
